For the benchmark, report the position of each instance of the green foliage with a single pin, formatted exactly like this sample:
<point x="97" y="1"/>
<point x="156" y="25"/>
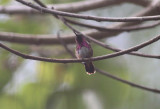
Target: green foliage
<point x="33" y="96"/>
<point x="3" y="2"/>
<point x="10" y="102"/>
<point x="25" y="24"/>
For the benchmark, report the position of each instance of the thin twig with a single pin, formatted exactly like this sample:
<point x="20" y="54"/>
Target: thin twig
<point x="117" y="50"/>
<point x="127" y="28"/>
<point x="95" y="18"/>
<point x="127" y="82"/>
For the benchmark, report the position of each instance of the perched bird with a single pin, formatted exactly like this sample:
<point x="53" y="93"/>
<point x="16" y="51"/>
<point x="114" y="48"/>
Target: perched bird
<point x="84" y="50"/>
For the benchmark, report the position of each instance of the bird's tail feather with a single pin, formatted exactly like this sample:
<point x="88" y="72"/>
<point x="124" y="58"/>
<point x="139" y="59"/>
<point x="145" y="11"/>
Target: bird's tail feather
<point x="89" y="68"/>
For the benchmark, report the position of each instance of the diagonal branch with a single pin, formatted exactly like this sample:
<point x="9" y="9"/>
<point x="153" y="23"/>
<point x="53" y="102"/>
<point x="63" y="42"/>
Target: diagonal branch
<point x="127" y="28"/>
<point x="127" y="82"/>
<point x="95" y="18"/>
<point x="67" y="7"/>
<point x="117" y="50"/>
<point x="71" y="7"/>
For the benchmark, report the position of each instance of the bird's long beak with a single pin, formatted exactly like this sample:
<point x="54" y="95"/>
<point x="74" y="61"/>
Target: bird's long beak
<point x="77" y="33"/>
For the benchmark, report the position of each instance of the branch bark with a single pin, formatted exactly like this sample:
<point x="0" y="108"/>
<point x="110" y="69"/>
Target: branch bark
<point x="127" y="82"/>
<point x="87" y="17"/>
<point x="51" y="39"/>
<point x="68" y="7"/>
<point x="102" y="28"/>
<point x="71" y="7"/>
<point x="112" y="55"/>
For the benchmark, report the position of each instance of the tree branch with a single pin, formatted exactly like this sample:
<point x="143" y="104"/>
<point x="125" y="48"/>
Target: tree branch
<point x="117" y="50"/>
<point x="95" y="18"/>
<point x="127" y="82"/>
<point x="135" y="48"/>
<point x="51" y="39"/>
<point x="127" y="28"/>
<point x="71" y="7"/>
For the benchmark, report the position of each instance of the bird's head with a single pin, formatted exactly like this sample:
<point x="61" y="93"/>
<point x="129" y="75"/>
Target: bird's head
<point x="79" y="37"/>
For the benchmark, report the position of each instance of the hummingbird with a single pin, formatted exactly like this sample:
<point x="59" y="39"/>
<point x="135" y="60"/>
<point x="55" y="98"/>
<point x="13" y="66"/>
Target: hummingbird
<point x="84" y="50"/>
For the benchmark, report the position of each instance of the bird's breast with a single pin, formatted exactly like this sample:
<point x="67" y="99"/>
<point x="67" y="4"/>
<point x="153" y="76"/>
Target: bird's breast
<point x="83" y="52"/>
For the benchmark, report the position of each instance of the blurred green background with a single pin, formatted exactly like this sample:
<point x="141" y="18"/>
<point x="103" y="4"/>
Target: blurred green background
<point x="27" y="84"/>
